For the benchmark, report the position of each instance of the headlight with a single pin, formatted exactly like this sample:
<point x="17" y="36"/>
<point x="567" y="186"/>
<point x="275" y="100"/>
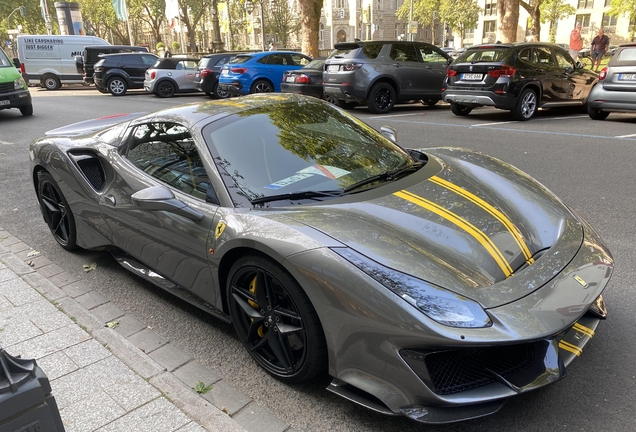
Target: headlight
<point x="18" y="84"/>
<point x="438" y="304"/>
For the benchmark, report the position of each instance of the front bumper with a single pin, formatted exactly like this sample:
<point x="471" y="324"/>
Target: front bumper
<point x="537" y="336"/>
<point x="475" y="98"/>
<point x="15" y="99"/>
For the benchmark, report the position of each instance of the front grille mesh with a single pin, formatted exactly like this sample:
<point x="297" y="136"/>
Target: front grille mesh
<point x="7" y="87"/>
<point x="461" y="370"/>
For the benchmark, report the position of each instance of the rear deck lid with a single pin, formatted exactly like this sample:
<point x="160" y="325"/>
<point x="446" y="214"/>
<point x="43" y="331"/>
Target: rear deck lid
<point x="480" y="66"/>
<point x="621" y="70"/>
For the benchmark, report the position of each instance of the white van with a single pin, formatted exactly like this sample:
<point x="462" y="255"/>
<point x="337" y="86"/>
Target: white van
<point x="50" y="60"/>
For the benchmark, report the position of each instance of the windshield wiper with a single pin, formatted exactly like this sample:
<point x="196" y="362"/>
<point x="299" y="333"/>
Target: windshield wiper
<point x="385" y="176"/>
<point x="296" y="196"/>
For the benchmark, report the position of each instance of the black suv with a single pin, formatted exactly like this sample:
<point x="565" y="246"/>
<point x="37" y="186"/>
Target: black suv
<point x="92" y="54"/>
<point x="382" y="73"/>
<point x="116" y="73"/>
<point x="518" y="77"/>
<point x="208" y="71"/>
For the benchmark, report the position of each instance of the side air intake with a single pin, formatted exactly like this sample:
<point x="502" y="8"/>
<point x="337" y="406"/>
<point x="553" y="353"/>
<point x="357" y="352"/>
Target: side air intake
<point x="92" y="168"/>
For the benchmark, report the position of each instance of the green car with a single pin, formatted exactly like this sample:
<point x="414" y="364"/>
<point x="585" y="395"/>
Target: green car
<point x="14" y="92"/>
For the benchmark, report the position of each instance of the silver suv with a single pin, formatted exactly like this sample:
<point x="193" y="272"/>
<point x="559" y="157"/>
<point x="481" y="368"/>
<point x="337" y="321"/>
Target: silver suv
<point x="382" y="73"/>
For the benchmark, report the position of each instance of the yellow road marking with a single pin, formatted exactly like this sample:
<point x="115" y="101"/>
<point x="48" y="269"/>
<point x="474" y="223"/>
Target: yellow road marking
<point x="585" y="330"/>
<point x="571" y="348"/>
<point x="512" y="229"/>
<point x="479" y="235"/>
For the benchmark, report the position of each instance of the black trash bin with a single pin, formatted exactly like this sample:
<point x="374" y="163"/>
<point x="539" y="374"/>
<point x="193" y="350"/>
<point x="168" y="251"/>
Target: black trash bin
<point x="26" y="403"/>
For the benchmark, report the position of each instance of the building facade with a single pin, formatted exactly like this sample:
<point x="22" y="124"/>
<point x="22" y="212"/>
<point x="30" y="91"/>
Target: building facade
<point x="592" y="14"/>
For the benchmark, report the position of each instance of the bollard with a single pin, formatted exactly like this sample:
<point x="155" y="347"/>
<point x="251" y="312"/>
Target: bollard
<point x="26" y="403"/>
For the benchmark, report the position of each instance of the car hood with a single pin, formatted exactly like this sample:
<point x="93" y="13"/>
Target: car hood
<point x="473" y="225"/>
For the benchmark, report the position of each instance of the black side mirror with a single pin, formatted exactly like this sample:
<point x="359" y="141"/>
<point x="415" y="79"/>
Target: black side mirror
<point x="16" y="62"/>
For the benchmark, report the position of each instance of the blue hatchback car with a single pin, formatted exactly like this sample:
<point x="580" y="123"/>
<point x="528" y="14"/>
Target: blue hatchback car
<point x="259" y="72"/>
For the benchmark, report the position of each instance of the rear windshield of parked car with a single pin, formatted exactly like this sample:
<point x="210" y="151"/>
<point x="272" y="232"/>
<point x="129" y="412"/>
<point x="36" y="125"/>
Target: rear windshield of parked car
<point x="627" y="55"/>
<point x="484" y="55"/>
<point x="240" y="59"/>
<point x="368" y="51"/>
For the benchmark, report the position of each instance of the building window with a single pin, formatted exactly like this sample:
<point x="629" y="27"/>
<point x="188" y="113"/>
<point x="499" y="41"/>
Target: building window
<point x="491" y="8"/>
<point x="608" y="3"/>
<point x="586" y="4"/>
<point x="609" y="23"/>
<point x="398" y="3"/>
<point x="490" y="31"/>
<point x="584" y="19"/>
<point x="341" y="4"/>
<point x="321" y="34"/>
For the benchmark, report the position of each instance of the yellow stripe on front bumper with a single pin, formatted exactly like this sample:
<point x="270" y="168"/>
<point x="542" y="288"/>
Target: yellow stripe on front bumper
<point x="571" y="348"/>
<point x="512" y="229"/>
<point x="479" y="235"/>
<point x="586" y="331"/>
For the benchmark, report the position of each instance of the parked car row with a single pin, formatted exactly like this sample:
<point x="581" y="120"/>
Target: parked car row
<point x="520" y="77"/>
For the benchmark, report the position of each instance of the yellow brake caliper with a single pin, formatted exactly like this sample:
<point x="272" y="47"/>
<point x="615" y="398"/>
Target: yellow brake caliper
<point x="252" y="289"/>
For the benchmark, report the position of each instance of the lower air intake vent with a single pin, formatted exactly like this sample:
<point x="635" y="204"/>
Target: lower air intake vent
<point x="459" y="370"/>
<point x="92" y="169"/>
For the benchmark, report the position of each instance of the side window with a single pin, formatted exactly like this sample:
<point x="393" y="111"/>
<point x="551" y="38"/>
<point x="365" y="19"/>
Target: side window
<point x="403" y="52"/>
<point x="430" y="55"/>
<point x="149" y="60"/>
<point x="223" y="60"/>
<point x="179" y="66"/>
<point x="189" y="64"/>
<point x="525" y="55"/>
<point x="371" y="50"/>
<point x="167" y="152"/>
<point x="543" y="57"/>
<point x="299" y="60"/>
<point x="563" y="61"/>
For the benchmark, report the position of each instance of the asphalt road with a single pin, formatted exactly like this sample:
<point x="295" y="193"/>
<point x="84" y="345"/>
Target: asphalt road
<point x="589" y="164"/>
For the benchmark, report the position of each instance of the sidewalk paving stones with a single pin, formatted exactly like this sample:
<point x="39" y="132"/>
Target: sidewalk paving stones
<point x="117" y="377"/>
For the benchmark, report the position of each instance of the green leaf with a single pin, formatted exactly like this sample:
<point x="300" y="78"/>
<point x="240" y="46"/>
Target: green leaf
<point x="201" y="388"/>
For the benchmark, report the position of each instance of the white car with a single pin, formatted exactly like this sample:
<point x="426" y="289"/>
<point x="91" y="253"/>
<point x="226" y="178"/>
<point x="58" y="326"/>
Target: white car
<point x="172" y="75"/>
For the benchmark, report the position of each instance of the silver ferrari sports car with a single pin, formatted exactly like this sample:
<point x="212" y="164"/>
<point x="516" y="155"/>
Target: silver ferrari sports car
<point x="432" y="283"/>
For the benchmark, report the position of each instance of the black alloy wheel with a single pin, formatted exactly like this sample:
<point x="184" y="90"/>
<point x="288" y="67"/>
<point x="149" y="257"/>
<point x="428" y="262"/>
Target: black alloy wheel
<point x="275" y="320"/>
<point x="381" y="98"/>
<point x="597" y="114"/>
<point x="165" y="89"/>
<point x="347" y="105"/>
<point x="460" y="110"/>
<point x="56" y="211"/>
<point x="330" y="98"/>
<point x="262" y="86"/>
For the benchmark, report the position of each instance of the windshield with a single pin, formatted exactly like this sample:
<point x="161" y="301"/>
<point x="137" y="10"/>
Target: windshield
<point x="291" y="147"/>
<point x="240" y="59"/>
<point x="4" y="60"/>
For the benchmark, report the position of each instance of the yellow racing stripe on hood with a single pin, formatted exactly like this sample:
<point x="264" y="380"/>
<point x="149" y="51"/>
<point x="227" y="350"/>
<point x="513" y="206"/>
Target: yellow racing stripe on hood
<point x="471" y="229"/>
<point x="512" y="229"/>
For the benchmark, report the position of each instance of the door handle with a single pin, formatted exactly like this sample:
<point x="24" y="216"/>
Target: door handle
<point x="110" y="199"/>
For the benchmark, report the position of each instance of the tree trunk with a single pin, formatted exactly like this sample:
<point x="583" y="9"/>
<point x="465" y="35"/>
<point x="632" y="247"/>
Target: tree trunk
<point x="310" y="25"/>
<point x="533" y="10"/>
<point x="508" y="13"/>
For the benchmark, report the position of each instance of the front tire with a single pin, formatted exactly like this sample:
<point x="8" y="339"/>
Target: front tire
<point x="597" y="114"/>
<point x="429" y="102"/>
<point x="262" y="86"/>
<point x="165" y="89"/>
<point x="381" y="98"/>
<point x="460" y="110"/>
<point x="218" y="93"/>
<point x="56" y="212"/>
<point x="27" y="110"/>
<point x="526" y="106"/>
<point x="330" y="98"/>
<point x="275" y="320"/>
<point x="117" y="86"/>
<point x="347" y="105"/>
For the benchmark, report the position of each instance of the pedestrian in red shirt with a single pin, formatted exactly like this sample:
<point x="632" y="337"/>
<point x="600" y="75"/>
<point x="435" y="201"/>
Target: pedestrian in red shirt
<point x="576" y="42"/>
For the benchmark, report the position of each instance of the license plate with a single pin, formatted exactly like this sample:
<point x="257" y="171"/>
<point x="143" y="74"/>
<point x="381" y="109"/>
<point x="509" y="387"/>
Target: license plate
<point x="225" y="72"/>
<point x="471" y="76"/>
<point x="4" y="102"/>
<point x="290" y="79"/>
<point x="333" y="68"/>
<point x="627" y="77"/>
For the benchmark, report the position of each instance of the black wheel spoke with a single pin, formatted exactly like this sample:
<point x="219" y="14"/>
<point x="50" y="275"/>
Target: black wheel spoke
<point x="249" y="310"/>
<point x="280" y="348"/>
<point x="262" y="294"/>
